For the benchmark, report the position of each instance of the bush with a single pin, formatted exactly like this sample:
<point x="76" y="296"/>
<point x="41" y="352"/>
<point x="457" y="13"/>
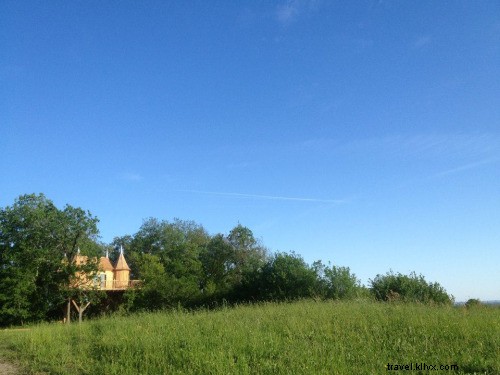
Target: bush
<point x="473" y="302"/>
<point x="408" y="288"/>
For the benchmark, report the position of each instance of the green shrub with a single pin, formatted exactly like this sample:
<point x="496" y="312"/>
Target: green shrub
<point x="408" y="288"/>
<point x="473" y="302"/>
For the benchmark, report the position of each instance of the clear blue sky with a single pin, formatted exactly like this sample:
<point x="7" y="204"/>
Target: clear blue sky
<point x="365" y="133"/>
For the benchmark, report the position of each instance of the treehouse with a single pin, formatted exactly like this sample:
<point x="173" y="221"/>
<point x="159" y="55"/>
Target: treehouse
<point x="108" y="278"/>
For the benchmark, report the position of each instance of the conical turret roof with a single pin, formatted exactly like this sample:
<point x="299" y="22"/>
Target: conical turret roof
<point x="80" y="259"/>
<point x="121" y="263"/>
<point x="105" y="264"/>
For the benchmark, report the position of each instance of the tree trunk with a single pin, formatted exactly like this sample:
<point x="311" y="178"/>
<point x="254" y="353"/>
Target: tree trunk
<point x="80" y="310"/>
<point x="68" y="312"/>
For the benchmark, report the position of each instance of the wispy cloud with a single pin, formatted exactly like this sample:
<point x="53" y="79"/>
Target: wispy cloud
<point x="133" y="177"/>
<point x="444" y="173"/>
<point x="458" y="144"/>
<point x="292" y="9"/>
<point x="268" y="197"/>
<point x="421" y="145"/>
<point x="422" y="41"/>
<point x="466" y="167"/>
<point x="287" y="12"/>
<point x="242" y="165"/>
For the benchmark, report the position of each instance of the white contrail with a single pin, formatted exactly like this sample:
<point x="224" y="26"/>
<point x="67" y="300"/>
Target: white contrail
<point x="270" y="197"/>
<point x="466" y="167"/>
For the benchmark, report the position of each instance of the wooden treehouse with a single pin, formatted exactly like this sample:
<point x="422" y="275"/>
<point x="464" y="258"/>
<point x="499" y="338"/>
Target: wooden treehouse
<point x="109" y="278"/>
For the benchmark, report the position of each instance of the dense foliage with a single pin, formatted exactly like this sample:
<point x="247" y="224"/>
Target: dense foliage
<point x="178" y="262"/>
<point x="409" y="288"/>
<point x="35" y="239"/>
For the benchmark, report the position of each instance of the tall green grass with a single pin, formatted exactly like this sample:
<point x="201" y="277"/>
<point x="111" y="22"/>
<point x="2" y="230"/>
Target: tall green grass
<point x="298" y="338"/>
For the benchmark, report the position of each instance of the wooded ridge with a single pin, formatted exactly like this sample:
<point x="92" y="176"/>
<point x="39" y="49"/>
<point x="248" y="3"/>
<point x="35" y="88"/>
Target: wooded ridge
<point x="177" y="263"/>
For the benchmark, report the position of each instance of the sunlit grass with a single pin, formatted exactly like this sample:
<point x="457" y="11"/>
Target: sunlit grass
<point x="301" y="338"/>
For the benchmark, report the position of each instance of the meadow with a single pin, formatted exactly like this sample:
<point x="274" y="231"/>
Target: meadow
<point x="305" y="337"/>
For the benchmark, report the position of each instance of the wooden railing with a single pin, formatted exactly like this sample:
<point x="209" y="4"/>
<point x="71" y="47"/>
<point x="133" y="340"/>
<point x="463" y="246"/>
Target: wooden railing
<point x="117" y="284"/>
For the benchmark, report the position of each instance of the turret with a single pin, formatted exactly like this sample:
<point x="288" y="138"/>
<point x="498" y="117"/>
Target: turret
<point x="106" y="272"/>
<point x="122" y="271"/>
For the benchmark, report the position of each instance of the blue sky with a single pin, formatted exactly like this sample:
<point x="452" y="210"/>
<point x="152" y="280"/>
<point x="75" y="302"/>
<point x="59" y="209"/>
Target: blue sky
<point x="365" y="133"/>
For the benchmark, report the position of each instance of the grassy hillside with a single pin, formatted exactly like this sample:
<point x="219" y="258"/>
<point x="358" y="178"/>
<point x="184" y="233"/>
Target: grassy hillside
<point x="300" y="338"/>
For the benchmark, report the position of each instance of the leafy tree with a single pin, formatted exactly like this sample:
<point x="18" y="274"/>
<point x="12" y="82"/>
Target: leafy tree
<point x="250" y="257"/>
<point x="287" y="276"/>
<point x="176" y="247"/>
<point x="35" y="237"/>
<point x="341" y="283"/>
<point x="187" y="241"/>
<point x="155" y="292"/>
<point x="242" y="238"/>
<point x="408" y="288"/>
<point x="249" y="254"/>
<point x="177" y="244"/>
<point x="219" y="261"/>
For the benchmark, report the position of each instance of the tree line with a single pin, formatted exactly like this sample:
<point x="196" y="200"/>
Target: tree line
<point x="178" y="262"/>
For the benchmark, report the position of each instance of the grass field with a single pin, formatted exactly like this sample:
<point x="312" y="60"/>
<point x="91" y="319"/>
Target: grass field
<point x="297" y="338"/>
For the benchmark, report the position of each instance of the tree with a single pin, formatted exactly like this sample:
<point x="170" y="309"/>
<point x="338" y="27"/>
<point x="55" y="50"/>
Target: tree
<point x="219" y="260"/>
<point x="155" y="292"/>
<point x="249" y="255"/>
<point x="341" y="283"/>
<point x="287" y="276"/>
<point x="176" y="247"/>
<point x="35" y="238"/>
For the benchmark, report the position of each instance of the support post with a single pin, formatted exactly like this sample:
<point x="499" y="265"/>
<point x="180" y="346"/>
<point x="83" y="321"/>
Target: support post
<point x="80" y="310"/>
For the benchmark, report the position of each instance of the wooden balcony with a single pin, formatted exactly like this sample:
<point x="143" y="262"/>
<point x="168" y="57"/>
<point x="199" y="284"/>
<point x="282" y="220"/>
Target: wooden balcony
<point x="116" y="284"/>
